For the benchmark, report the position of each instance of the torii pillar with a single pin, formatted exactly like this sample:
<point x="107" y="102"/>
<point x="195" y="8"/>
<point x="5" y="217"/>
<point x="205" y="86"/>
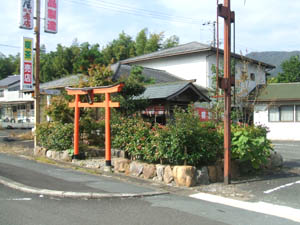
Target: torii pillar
<point x="107" y="104"/>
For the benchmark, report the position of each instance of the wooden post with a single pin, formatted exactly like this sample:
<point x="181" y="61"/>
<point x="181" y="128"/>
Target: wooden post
<point x="37" y="71"/>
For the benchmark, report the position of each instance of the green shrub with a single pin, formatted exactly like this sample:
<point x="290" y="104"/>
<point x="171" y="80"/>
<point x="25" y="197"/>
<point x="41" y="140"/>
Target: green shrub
<point x="55" y="135"/>
<point x="184" y="140"/>
<point x="250" y="143"/>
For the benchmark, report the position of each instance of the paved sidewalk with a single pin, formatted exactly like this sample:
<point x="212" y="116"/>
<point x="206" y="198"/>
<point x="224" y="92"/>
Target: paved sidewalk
<point x="30" y="176"/>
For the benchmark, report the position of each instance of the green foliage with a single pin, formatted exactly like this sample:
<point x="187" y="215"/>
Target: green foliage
<point x="141" y="41"/>
<point x="290" y="71"/>
<point x="250" y="143"/>
<point x="9" y="65"/>
<point x="59" y="110"/>
<point x="55" y="135"/>
<point x="185" y="140"/>
<point x="170" y="42"/>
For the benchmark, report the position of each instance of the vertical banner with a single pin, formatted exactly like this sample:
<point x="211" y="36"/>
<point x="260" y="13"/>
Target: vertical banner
<point x="27" y="64"/>
<point x="26" y="14"/>
<point x="51" y="14"/>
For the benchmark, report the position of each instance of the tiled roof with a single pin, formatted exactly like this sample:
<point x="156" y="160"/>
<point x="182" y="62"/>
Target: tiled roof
<point x="159" y="76"/>
<point x="189" y="48"/>
<point x="280" y="92"/>
<point x="67" y="81"/>
<point x="170" y="90"/>
<point x="178" y="50"/>
<point x="9" y="80"/>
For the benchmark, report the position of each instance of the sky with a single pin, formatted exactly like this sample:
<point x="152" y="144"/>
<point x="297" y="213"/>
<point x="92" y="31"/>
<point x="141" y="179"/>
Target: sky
<point x="261" y="25"/>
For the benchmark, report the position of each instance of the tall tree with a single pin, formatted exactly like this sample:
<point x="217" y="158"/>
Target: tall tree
<point x="119" y="49"/>
<point x="290" y="71"/>
<point x="8" y="65"/>
<point x="170" y="42"/>
<point x="154" y="43"/>
<point x="141" y="41"/>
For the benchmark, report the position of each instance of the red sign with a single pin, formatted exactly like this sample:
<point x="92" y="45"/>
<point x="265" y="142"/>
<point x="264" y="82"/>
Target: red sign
<point x="27" y="73"/>
<point x="51" y="12"/>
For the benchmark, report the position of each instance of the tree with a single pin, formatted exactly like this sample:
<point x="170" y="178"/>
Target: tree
<point x="141" y="41"/>
<point x="154" y="43"/>
<point x="9" y="65"/>
<point x="170" y="42"/>
<point x="119" y="49"/>
<point x="290" y="71"/>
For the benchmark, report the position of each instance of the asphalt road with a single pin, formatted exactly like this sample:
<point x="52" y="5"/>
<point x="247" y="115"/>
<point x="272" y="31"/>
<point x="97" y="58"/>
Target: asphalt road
<point x="282" y="187"/>
<point x="290" y="150"/>
<point x="18" y="208"/>
<point x="27" y="209"/>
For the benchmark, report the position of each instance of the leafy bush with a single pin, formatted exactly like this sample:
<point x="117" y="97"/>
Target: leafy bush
<point x="250" y="143"/>
<point x="55" y="135"/>
<point x="184" y="140"/>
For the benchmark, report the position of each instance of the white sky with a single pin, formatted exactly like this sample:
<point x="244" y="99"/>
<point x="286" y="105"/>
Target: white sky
<point x="261" y="25"/>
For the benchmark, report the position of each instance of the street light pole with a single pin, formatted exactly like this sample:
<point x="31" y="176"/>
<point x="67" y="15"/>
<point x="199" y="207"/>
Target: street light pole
<point x="37" y="68"/>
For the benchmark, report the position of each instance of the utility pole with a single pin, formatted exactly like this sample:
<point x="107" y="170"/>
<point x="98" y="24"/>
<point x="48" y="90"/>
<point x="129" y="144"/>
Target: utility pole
<point x="37" y="68"/>
<point x="214" y="30"/>
<point x="225" y="84"/>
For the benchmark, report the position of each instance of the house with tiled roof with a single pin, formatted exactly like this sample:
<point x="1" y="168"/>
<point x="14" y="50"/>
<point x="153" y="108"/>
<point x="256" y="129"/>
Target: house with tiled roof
<point x="167" y="91"/>
<point x="195" y="60"/>
<point x="278" y="108"/>
<point x="16" y="108"/>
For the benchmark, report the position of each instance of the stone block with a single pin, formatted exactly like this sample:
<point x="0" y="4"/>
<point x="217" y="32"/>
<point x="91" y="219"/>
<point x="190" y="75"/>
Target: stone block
<point x="49" y="153"/>
<point x="168" y="175"/>
<point x="136" y="168"/>
<point x="65" y="156"/>
<point x="202" y="177"/>
<point x="160" y="172"/>
<point x="39" y="151"/>
<point x="121" y="165"/>
<point x="235" y="169"/>
<point x="149" y="171"/>
<point x="276" y="160"/>
<point x="184" y="175"/>
<point x="212" y="173"/>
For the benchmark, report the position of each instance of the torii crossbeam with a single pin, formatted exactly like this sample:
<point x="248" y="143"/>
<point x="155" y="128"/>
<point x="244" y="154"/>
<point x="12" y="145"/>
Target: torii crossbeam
<point x="107" y="104"/>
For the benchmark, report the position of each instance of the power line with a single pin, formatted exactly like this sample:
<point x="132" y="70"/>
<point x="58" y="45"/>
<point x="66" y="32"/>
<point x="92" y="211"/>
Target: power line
<point x="9" y="46"/>
<point x="136" y="11"/>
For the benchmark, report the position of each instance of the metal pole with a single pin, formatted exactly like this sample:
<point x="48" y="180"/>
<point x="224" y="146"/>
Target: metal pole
<point x="227" y="76"/>
<point x="37" y="69"/>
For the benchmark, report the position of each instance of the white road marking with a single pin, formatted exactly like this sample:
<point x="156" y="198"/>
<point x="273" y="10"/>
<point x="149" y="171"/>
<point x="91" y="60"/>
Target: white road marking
<point x="281" y="187"/>
<point x="259" y="207"/>
<point x="19" y="199"/>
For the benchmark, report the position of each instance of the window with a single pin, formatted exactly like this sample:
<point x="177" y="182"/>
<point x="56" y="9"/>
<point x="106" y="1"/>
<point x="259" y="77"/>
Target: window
<point x="282" y="113"/>
<point x="298" y="113"/>
<point x="252" y="76"/>
<point x="1" y="93"/>
<point x="274" y="114"/>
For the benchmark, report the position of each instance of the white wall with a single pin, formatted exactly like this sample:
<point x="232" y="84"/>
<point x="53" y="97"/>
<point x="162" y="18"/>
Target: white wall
<point x="15" y="96"/>
<point x="247" y="85"/>
<point x="192" y="66"/>
<point x="278" y="130"/>
<point x="198" y="66"/>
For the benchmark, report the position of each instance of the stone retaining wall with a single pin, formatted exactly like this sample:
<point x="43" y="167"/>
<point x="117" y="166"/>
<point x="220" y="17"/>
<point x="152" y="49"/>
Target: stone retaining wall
<point x="187" y="176"/>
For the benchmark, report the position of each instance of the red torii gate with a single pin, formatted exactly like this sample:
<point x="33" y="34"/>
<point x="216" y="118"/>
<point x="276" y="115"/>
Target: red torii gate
<point x="107" y="104"/>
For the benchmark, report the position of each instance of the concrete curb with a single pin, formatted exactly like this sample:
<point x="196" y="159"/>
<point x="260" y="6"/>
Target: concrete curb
<point x="68" y="194"/>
